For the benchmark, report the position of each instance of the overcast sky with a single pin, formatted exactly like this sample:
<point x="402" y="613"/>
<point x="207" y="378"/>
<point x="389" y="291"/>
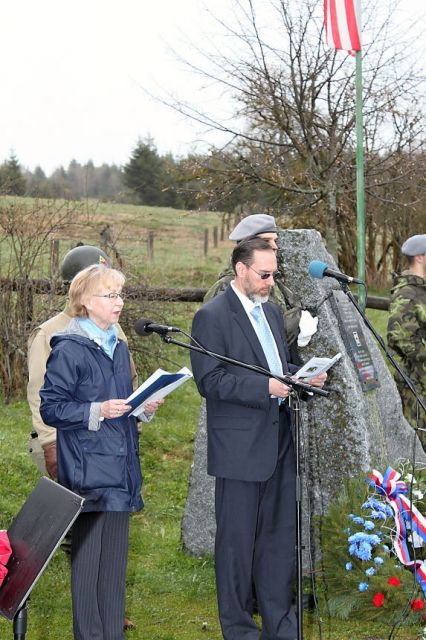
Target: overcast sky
<point x="72" y="73"/>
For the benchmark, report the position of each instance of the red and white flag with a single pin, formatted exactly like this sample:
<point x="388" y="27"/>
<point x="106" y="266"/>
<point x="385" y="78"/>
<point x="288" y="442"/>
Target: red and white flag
<point x="342" y="24"/>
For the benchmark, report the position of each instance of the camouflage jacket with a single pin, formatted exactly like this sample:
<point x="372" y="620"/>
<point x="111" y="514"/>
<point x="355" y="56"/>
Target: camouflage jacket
<point x="407" y="326"/>
<point x="280" y="295"/>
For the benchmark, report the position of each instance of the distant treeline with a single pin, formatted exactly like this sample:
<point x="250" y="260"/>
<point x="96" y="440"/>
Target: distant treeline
<point x="148" y="178"/>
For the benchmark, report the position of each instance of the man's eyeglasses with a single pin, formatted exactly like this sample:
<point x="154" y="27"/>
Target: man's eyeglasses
<point x="265" y="275"/>
<point x="111" y="296"/>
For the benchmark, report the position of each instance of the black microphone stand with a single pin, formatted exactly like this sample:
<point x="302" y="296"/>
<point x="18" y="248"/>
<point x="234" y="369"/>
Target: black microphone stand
<point x="20" y="622"/>
<point x="382" y="343"/>
<point x="295" y="385"/>
<point x="294" y="397"/>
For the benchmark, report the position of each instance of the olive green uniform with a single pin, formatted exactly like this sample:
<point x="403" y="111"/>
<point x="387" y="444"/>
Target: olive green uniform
<point x="407" y="337"/>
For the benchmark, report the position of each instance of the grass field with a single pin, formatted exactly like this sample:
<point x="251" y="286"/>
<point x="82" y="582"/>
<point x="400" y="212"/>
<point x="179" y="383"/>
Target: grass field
<point x="178" y="241"/>
<point x="170" y="595"/>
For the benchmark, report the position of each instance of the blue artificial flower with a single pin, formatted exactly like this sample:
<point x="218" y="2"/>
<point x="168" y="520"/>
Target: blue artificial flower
<point x="385" y="548"/>
<point x="358" y="520"/>
<point x="363" y="586"/>
<point x="374" y="504"/>
<point x="371" y="538"/>
<point x="378" y="515"/>
<point x="378" y="560"/>
<point x="362" y="550"/>
<point x="351" y="516"/>
<point x="349" y="566"/>
<point x="347" y="531"/>
<point x="370" y="571"/>
<point x="361" y="544"/>
<point x="368" y="525"/>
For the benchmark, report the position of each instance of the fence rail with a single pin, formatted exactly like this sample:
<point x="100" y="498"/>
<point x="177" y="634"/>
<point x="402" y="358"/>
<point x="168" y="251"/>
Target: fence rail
<point x="166" y="294"/>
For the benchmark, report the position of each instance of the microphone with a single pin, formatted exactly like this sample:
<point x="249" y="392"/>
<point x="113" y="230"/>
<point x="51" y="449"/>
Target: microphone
<point x="144" y="327"/>
<point x="318" y="269"/>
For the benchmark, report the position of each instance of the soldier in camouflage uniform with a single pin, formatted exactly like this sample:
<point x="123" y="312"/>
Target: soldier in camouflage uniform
<point x="263" y="226"/>
<point x="407" y="329"/>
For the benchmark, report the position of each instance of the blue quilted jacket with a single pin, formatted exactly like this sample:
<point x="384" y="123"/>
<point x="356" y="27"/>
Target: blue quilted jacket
<point x="101" y="466"/>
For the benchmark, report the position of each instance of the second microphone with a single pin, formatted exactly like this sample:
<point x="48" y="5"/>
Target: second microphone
<point x="144" y="327"/>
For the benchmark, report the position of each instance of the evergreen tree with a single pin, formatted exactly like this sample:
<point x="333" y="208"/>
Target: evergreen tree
<point x="75" y="180"/>
<point x="37" y="184"/>
<point x="59" y="183"/>
<point x="144" y="174"/>
<point x="12" y="181"/>
<point x="109" y="181"/>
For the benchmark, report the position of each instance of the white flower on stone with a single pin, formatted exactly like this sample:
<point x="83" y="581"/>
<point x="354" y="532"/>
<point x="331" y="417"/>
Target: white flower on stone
<point x="417" y="540"/>
<point x="410" y="479"/>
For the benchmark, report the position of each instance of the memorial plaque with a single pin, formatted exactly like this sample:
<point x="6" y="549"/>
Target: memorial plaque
<point x="354" y="340"/>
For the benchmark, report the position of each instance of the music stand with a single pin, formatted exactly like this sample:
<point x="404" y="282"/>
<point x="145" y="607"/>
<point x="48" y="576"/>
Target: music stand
<point x="34" y="535"/>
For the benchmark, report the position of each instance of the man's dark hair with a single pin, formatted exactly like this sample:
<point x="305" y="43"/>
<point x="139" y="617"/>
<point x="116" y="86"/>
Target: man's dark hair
<point x="244" y="251"/>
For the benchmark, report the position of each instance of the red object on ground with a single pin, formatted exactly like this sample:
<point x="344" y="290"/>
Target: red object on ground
<point x="378" y="599"/>
<point x="418" y="604"/>
<point x="5" y="553"/>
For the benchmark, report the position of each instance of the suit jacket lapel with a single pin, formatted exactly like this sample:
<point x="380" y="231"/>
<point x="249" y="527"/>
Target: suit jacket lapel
<point x="240" y="316"/>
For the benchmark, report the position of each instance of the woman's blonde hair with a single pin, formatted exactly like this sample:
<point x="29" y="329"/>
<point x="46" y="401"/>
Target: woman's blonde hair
<point x="90" y="281"/>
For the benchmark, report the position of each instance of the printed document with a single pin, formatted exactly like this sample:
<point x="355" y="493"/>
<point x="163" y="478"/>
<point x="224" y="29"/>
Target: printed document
<point x="156" y="387"/>
<point x="315" y="366"/>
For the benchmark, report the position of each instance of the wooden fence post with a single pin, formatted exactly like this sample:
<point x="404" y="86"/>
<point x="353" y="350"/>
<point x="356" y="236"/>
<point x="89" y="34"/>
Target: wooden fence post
<point x="30" y="306"/>
<point x="206" y="241"/>
<point x="150" y="245"/>
<point x="54" y="258"/>
<point x="215" y="237"/>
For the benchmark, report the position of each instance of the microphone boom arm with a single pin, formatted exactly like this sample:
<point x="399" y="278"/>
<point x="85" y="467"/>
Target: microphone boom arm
<point x="286" y="379"/>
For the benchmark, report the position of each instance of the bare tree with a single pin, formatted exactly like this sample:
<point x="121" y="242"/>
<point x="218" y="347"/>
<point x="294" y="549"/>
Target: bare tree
<point x="293" y="128"/>
<point x="26" y="228"/>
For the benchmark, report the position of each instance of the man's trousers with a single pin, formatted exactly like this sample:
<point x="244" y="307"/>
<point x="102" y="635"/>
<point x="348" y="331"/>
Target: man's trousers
<point x="255" y="542"/>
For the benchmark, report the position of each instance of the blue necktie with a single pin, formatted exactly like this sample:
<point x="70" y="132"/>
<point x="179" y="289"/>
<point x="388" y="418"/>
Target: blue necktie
<point x="267" y="341"/>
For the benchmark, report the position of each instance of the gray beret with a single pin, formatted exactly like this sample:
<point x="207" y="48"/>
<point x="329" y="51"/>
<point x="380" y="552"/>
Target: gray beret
<point x="252" y="226"/>
<point x="414" y="246"/>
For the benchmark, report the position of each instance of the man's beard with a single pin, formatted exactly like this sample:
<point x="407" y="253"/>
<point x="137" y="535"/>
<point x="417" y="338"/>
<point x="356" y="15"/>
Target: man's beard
<point x="257" y="299"/>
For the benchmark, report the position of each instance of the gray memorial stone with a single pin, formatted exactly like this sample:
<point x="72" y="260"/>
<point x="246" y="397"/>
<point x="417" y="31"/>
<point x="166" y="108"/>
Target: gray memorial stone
<point x="351" y="431"/>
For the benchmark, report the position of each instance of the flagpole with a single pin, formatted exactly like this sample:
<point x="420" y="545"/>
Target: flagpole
<point x="360" y="199"/>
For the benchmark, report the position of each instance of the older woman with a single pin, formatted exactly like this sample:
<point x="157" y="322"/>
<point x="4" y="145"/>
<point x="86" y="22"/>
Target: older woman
<point x="87" y="380"/>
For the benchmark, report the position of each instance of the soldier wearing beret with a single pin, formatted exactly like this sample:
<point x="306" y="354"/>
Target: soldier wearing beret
<point x="407" y="328"/>
<point x="263" y="226"/>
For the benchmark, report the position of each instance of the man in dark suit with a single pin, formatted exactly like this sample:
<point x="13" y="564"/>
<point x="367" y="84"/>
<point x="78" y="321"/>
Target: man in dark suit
<point x="250" y="448"/>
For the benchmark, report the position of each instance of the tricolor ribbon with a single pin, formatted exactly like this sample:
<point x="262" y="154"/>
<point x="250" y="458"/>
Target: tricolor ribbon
<point x="5" y="553"/>
<point x="406" y="516"/>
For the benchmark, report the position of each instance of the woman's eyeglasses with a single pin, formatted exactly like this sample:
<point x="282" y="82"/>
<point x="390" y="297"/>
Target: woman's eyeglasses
<point x="111" y="296"/>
